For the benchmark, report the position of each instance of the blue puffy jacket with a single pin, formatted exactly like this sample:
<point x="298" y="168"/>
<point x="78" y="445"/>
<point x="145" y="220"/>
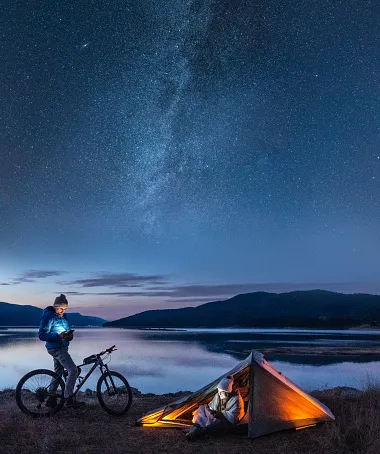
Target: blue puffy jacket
<point x="51" y="325"/>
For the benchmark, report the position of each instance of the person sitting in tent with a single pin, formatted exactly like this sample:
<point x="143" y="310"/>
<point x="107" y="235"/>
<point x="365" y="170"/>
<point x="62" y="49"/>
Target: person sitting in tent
<point x="224" y="411"/>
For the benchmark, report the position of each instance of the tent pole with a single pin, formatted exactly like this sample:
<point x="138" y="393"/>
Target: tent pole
<point x="251" y="398"/>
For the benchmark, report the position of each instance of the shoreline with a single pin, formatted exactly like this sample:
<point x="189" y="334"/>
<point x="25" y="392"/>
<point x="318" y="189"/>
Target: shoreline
<point x="137" y="394"/>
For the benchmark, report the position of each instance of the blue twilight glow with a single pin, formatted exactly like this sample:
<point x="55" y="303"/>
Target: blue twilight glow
<point x="163" y="154"/>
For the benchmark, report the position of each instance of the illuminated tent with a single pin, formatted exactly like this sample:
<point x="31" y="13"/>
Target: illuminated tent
<point x="272" y="402"/>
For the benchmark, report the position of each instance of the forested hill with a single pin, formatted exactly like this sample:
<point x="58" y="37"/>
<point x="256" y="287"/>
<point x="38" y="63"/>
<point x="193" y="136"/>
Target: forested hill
<point x="301" y="309"/>
<point x="17" y="315"/>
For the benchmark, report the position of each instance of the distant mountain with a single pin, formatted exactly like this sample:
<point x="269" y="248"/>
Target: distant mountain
<point x="17" y="315"/>
<point x="309" y="309"/>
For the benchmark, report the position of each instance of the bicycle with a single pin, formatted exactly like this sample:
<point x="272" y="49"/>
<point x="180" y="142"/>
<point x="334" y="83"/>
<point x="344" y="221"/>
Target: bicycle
<point x="112" y="390"/>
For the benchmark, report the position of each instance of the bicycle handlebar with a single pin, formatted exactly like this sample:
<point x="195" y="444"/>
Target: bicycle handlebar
<point x="93" y="358"/>
<point x="108" y="350"/>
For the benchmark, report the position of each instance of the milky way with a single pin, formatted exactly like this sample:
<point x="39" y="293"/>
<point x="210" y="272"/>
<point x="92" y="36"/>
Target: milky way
<point x="209" y="142"/>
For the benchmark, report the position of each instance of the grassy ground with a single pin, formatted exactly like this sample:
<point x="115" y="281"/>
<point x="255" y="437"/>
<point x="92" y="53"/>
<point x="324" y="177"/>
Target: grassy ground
<point x="92" y="430"/>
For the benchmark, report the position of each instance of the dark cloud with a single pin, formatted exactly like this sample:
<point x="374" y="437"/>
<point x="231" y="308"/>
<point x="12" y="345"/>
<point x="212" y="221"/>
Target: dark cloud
<point x="22" y="280"/>
<point x="129" y="280"/>
<point x="180" y="291"/>
<point x="204" y="293"/>
<point x="34" y="275"/>
<point x="200" y="300"/>
<point x="41" y="274"/>
<point x="131" y="294"/>
<point x="76" y="293"/>
<point x="183" y="291"/>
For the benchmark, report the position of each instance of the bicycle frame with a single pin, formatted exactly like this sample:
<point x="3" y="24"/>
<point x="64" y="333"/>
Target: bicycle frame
<point x="103" y="369"/>
<point x="98" y="363"/>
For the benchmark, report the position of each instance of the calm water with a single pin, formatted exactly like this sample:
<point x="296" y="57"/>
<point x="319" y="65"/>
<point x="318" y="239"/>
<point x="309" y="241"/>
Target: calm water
<point x="170" y="361"/>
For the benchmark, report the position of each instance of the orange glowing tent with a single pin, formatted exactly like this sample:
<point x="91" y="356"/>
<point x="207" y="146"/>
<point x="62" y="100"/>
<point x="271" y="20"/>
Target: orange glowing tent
<point x="272" y="402"/>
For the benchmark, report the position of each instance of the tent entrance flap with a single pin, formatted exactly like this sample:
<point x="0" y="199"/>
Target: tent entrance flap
<point x="271" y="401"/>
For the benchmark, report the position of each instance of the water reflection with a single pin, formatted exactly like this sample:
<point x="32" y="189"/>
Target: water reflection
<point x="311" y="377"/>
<point x="170" y="361"/>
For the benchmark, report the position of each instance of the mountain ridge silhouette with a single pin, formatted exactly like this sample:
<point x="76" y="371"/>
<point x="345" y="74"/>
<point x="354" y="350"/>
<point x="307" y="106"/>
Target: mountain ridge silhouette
<point x="299" y="309"/>
<point x="18" y="315"/>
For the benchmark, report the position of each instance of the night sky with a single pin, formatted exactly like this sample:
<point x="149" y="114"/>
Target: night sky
<point x="158" y="154"/>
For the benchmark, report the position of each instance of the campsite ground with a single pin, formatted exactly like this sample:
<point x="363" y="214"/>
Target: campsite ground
<point x="93" y="431"/>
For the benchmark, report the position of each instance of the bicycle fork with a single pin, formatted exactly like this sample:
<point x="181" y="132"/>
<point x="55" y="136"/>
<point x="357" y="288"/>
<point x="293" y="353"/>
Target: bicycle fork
<point x="113" y="391"/>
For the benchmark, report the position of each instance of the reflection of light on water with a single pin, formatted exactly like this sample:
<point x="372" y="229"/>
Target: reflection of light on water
<point x="149" y="365"/>
<point x="162" y="362"/>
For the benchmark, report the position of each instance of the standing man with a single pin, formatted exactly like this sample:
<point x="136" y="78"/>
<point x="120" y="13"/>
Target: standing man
<point x="54" y="330"/>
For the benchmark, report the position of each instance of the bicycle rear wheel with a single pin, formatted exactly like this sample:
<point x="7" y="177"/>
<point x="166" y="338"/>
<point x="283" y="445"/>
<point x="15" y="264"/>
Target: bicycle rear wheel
<point x="35" y="393"/>
<point x="114" y="393"/>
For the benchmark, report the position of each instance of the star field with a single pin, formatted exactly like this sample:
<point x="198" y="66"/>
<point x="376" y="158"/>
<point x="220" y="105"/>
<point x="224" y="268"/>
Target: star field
<point x="205" y="142"/>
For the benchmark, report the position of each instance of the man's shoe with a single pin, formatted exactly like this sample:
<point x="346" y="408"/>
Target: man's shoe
<point x="51" y="402"/>
<point x="73" y="403"/>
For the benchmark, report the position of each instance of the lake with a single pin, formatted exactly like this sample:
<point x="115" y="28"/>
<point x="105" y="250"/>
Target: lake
<point x="158" y="361"/>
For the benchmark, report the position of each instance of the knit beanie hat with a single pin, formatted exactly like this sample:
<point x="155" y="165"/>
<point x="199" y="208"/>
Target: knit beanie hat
<point x="225" y="384"/>
<point x="61" y="301"/>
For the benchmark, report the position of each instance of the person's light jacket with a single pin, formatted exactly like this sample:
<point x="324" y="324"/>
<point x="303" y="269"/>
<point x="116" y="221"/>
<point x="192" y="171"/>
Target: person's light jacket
<point x="51" y="325"/>
<point x="234" y="410"/>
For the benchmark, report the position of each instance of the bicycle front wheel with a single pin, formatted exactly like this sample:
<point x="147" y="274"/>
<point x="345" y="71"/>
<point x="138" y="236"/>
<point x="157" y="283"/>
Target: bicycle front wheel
<point x="114" y="393"/>
<point x="40" y="393"/>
